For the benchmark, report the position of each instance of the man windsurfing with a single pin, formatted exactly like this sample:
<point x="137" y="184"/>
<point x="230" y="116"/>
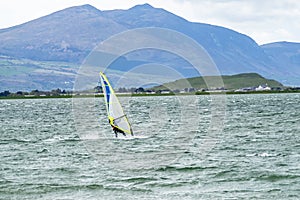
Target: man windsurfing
<point x="114" y="127"/>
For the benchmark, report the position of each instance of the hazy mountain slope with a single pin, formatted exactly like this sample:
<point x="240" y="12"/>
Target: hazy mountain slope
<point x="287" y="56"/>
<point x="233" y="52"/>
<point x="286" y="52"/>
<point x="67" y="35"/>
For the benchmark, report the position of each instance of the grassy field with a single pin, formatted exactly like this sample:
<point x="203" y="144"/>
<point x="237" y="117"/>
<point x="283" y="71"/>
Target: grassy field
<point x="230" y="82"/>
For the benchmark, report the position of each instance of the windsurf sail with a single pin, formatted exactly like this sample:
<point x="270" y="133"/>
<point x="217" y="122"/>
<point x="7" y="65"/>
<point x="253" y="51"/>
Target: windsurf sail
<point x="116" y="116"/>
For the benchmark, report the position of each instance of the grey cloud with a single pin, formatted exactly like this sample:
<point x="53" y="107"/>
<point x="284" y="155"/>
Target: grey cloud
<point x="263" y="20"/>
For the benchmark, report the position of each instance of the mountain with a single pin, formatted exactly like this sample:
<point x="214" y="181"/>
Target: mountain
<point x="233" y="52"/>
<point x="69" y="35"/>
<point x="286" y="55"/>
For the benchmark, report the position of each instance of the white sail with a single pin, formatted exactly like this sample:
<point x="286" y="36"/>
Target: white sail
<point x="116" y="115"/>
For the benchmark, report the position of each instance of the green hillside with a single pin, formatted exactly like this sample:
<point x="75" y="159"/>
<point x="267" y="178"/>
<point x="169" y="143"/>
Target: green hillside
<point x="231" y="82"/>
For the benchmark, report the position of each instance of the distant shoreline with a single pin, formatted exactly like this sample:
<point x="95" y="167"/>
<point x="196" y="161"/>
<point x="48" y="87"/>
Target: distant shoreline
<point x="145" y="95"/>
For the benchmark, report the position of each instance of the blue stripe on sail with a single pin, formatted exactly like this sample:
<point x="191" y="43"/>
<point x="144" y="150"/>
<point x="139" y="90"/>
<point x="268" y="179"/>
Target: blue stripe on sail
<point x="107" y="92"/>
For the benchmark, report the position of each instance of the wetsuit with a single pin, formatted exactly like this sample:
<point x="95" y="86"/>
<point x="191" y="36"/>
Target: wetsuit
<point x="115" y="129"/>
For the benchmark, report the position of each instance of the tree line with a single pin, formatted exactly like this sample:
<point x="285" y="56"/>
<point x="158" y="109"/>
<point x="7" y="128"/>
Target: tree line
<point x="54" y="92"/>
<point x="59" y="92"/>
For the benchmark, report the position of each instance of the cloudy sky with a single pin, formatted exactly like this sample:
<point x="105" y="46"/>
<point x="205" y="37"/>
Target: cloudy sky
<point x="263" y="20"/>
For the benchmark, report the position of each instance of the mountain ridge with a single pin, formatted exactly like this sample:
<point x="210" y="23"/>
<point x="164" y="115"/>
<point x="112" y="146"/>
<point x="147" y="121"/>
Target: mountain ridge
<point x="70" y="34"/>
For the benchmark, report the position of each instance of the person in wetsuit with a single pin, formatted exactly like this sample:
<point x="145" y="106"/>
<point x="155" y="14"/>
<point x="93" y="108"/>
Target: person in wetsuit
<point x="115" y="129"/>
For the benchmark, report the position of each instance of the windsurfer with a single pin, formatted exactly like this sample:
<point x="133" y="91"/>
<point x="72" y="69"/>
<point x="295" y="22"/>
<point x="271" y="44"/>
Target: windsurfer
<point x="115" y="129"/>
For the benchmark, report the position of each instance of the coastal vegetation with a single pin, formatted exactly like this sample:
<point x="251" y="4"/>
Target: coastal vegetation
<point x="231" y="82"/>
<point x="249" y="83"/>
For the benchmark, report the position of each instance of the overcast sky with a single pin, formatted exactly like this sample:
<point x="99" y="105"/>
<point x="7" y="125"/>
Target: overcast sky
<point x="264" y="20"/>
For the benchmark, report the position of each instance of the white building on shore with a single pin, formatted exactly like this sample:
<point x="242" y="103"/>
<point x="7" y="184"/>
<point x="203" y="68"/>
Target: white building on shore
<point x="263" y="88"/>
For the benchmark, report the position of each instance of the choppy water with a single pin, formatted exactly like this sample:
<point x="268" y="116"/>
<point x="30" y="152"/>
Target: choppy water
<point x="50" y="151"/>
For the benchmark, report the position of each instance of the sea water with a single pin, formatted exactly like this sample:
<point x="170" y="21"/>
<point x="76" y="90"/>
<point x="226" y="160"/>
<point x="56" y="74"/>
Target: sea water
<point x="185" y="147"/>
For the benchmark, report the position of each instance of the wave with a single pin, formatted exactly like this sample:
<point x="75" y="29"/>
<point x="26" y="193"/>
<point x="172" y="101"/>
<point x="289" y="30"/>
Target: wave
<point x="277" y="177"/>
<point x="45" y="188"/>
<point x="184" y="169"/>
<point x="138" y="179"/>
<point x="264" y="154"/>
<point x="43" y="151"/>
<point x="61" y="139"/>
<point x="15" y="140"/>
